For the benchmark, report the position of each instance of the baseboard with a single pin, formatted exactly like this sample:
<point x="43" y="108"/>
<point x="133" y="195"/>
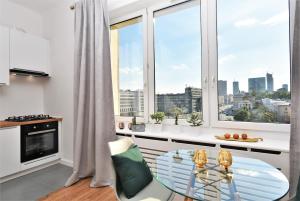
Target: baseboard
<point x="28" y="171"/>
<point x="66" y="162"/>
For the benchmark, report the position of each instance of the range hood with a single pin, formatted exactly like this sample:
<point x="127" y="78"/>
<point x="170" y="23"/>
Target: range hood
<point x="24" y="72"/>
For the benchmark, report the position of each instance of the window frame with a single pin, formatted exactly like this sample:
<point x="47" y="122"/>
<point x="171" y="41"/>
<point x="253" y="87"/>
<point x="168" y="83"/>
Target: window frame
<point x="204" y="55"/>
<point x="213" y="60"/>
<point x="143" y="14"/>
<point x="209" y="64"/>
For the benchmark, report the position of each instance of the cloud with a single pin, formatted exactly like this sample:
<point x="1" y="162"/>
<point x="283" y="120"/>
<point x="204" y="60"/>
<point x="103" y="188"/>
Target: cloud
<point x="272" y="21"/>
<point x="134" y="70"/>
<point x="246" y="22"/>
<point x="179" y="67"/>
<point x="226" y="58"/>
<point x="277" y="19"/>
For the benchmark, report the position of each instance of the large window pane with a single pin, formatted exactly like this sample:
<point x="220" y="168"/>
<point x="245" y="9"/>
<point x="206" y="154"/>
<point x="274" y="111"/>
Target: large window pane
<point x="177" y="45"/>
<point x="127" y="67"/>
<point x="253" y="60"/>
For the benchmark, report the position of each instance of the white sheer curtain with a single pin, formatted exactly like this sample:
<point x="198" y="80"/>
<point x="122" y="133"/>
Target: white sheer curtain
<point x="94" y="115"/>
<point x="295" y="119"/>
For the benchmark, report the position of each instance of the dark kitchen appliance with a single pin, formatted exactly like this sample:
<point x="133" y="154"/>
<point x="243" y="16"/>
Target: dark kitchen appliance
<point x="24" y="72"/>
<point x="28" y="118"/>
<point x="38" y="140"/>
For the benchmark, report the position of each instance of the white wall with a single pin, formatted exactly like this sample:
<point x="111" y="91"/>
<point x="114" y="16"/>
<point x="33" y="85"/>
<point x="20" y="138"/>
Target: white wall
<point x="24" y="95"/>
<point x="53" y="96"/>
<point x="59" y="28"/>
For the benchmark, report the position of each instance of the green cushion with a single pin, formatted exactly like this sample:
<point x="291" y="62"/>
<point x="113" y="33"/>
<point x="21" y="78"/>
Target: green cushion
<point x="132" y="170"/>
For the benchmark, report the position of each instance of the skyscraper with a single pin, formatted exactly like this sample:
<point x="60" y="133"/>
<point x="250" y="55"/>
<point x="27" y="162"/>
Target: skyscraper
<point x="236" y="88"/>
<point x="257" y="84"/>
<point x="270" y="82"/>
<point x="222" y="87"/>
<point x="286" y="87"/>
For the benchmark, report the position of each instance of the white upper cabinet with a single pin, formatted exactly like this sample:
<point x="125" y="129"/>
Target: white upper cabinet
<point x="28" y="52"/>
<point x="4" y="55"/>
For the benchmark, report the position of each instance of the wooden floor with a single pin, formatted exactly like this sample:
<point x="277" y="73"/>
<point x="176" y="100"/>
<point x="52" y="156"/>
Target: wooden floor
<point x="81" y="191"/>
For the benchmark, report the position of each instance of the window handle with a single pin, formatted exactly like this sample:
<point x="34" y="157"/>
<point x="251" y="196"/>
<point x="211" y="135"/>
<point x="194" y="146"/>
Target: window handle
<point x="213" y="81"/>
<point x="205" y="83"/>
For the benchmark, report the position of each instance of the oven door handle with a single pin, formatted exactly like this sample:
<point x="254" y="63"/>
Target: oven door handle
<point x="41" y="132"/>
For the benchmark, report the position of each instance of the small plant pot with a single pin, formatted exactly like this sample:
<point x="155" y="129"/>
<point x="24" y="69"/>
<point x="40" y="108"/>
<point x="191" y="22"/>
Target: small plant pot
<point x="138" y="128"/>
<point x="121" y="125"/>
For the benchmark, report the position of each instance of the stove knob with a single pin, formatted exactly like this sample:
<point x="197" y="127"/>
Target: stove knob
<point x="34" y="127"/>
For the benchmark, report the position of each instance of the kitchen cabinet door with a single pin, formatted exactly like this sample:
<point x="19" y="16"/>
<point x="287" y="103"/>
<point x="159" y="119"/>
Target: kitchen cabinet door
<point x="4" y="55"/>
<point x="28" y="51"/>
<point x="10" y="159"/>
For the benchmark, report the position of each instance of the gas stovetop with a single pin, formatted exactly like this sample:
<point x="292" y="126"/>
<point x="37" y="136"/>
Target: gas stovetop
<point x="28" y="118"/>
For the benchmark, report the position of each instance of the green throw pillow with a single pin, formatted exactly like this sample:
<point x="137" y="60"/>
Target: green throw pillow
<point x="132" y="171"/>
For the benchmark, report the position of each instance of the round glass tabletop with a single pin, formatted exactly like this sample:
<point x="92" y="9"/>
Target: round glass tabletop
<point x="248" y="179"/>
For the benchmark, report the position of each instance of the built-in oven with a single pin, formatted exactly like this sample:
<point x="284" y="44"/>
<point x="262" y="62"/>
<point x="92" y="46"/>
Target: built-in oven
<point x="38" y="140"/>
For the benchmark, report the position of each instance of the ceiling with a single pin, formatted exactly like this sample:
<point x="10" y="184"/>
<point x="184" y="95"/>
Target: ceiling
<point x="42" y="5"/>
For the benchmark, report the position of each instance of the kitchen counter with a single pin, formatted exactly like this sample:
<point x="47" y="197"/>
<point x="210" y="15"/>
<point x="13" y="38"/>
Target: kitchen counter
<point x="4" y="124"/>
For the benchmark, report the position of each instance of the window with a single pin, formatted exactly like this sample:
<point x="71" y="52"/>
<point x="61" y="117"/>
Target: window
<point x="227" y="60"/>
<point x="127" y="67"/>
<point x="253" y="61"/>
<point x="177" y="52"/>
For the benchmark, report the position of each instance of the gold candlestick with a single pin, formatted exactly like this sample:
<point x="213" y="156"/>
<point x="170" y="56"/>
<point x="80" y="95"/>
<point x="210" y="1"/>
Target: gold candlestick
<point x="200" y="158"/>
<point x="225" y="159"/>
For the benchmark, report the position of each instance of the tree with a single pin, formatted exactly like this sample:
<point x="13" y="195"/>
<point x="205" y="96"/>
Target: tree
<point x="242" y="115"/>
<point x="268" y="117"/>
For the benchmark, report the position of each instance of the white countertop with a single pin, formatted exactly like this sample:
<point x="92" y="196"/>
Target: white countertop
<point x="274" y="142"/>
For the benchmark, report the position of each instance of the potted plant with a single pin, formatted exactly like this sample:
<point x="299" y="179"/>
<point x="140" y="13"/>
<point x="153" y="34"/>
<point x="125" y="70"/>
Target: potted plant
<point x="158" y="117"/>
<point x="177" y="112"/>
<point x="195" y="119"/>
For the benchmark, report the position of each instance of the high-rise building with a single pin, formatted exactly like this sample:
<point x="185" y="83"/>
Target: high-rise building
<point x="270" y="82"/>
<point x="257" y="85"/>
<point x="236" y="88"/>
<point x="193" y="99"/>
<point x="131" y="103"/>
<point x="222" y="87"/>
<point x="189" y="101"/>
<point x="286" y="87"/>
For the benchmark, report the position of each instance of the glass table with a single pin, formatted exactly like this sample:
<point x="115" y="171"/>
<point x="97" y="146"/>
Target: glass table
<point x="247" y="179"/>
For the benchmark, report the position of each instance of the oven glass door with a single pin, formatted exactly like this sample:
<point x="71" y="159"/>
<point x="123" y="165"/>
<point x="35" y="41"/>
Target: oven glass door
<point x="37" y="144"/>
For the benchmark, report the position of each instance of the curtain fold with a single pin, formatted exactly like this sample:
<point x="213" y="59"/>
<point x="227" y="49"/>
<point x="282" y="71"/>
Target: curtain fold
<point x="93" y="98"/>
<point x="295" y="89"/>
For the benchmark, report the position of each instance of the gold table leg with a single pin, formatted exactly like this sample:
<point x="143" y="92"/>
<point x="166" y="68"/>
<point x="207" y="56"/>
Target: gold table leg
<point x="188" y="199"/>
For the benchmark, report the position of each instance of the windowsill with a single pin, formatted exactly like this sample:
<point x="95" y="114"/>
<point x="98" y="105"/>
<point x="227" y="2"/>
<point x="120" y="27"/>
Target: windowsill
<point x="271" y="140"/>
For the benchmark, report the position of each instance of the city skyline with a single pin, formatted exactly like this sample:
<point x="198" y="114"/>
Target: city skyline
<point x="238" y="58"/>
<point x="240" y="54"/>
<point x="223" y="86"/>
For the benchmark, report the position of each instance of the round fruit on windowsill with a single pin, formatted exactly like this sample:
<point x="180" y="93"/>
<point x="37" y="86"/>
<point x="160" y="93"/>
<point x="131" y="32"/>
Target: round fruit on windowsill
<point x="236" y="136"/>
<point x="227" y="135"/>
<point x="244" y="136"/>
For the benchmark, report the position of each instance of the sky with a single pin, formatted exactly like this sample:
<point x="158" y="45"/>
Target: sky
<point x="253" y="39"/>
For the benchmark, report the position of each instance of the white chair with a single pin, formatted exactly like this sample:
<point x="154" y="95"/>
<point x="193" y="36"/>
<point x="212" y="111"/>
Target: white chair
<point x="154" y="191"/>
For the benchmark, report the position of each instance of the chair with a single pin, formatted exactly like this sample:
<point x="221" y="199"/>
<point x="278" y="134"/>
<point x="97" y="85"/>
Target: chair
<point x="154" y="191"/>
